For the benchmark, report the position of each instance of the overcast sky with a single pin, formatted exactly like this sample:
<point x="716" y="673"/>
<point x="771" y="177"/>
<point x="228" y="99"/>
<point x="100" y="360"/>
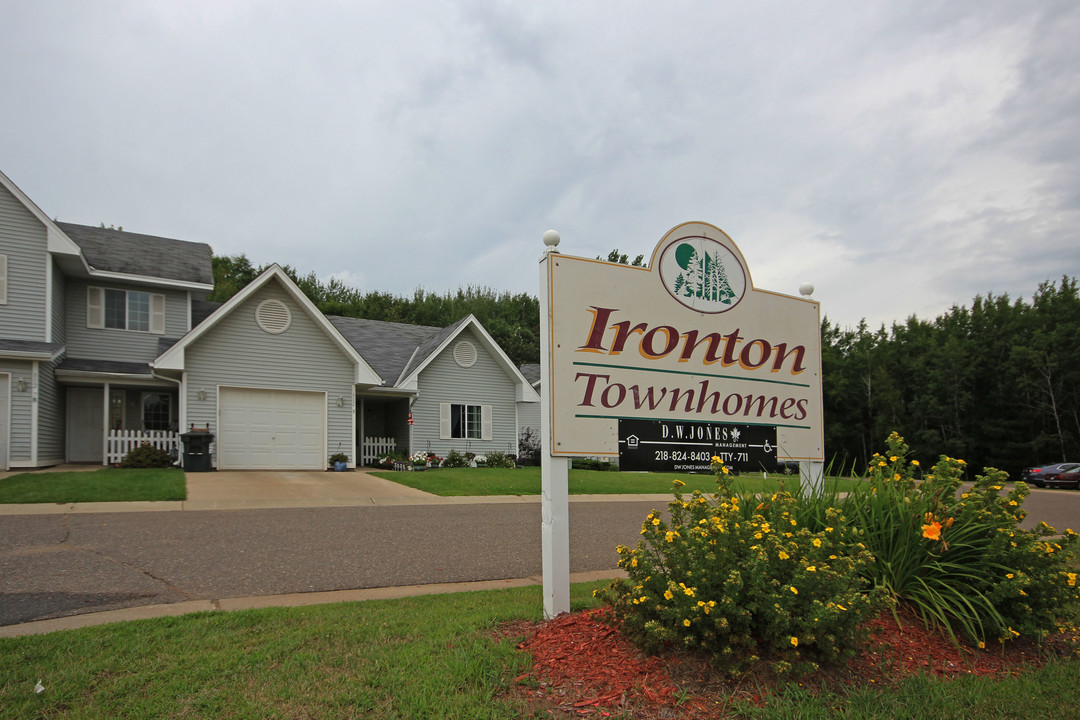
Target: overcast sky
<point x="902" y="156"/>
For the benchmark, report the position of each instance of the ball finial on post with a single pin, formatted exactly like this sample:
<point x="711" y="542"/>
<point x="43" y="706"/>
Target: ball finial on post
<point x="551" y="240"/>
<point x="806" y="289"/>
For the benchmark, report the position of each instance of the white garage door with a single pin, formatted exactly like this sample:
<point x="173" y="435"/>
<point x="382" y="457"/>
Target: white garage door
<point x="271" y="430"/>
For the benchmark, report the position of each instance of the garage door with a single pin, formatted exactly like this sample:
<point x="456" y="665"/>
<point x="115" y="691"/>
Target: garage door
<point x="271" y="430"/>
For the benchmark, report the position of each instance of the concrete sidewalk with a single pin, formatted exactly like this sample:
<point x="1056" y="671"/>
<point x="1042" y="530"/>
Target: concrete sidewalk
<point x="259" y="490"/>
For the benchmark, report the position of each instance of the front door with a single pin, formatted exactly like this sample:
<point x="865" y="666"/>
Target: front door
<point x="85" y="431"/>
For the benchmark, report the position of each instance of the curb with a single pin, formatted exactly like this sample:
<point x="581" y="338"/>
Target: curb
<point x="148" y="612"/>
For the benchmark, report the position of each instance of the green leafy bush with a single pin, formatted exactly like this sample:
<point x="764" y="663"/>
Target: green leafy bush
<point x="744" y="584"/>
<point x="959" y="558"/>
<point x="500" y="460"/>
<point x="147" y="456"/>
<point x="454" y="459"/>
<point x="593" y="464"/>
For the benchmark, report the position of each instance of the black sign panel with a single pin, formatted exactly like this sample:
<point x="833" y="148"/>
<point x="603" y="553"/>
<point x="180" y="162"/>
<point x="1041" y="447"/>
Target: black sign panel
<point x="680" y="446"/>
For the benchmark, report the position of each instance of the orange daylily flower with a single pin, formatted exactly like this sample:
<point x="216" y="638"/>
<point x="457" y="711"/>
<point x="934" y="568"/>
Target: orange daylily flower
<point x="932" y="531"/>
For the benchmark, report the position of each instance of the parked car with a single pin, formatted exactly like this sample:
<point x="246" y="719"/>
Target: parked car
<point x="1066" y="478"/>
<point x="1037" y="475"/>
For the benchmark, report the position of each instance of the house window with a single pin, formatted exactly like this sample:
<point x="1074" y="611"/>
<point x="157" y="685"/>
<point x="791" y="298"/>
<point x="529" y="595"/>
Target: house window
<point x="465" y="422"/>
<point x="157" y="411"/>
<point x="125" y="310"/>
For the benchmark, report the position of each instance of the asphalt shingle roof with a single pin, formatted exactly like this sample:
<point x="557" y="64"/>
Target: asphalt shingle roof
<point x="105" y="366"/>
<point x="29" y="346"/>
<point x="146" y="255"/>
<point x="386" y="346"/>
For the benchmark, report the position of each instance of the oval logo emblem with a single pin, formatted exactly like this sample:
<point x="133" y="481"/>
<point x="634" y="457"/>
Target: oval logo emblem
<point x="702" y="274"/>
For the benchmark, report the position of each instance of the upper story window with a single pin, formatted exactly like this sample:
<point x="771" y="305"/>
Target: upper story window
<point x="125" y="310"/>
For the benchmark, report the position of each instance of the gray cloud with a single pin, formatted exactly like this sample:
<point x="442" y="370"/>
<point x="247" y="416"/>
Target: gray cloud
<point x="904" y="156"/>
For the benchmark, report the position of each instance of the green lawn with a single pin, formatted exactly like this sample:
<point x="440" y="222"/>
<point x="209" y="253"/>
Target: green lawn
<point x="104" y="485"/>
<point x="423" y="657"/>
<point x="526" y="481"/>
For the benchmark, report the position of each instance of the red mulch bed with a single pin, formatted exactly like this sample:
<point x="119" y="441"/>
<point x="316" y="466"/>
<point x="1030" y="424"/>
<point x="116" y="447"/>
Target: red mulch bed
<point x="584" y="667"/>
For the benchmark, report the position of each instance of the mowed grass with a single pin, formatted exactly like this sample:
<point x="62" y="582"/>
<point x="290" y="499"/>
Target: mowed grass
<point x="425" y="657"/>
<point x="104" y="485"/>
<point x="526" y="481"/>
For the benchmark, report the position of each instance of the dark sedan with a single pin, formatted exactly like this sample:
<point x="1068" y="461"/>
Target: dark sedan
<point x="1040" y="476"/>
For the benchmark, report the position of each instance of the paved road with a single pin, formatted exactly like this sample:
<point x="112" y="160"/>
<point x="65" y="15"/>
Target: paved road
<point x="65" y="564"/>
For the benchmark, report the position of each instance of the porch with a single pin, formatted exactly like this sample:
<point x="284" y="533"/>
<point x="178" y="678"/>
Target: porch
<point x="383" y="426"/>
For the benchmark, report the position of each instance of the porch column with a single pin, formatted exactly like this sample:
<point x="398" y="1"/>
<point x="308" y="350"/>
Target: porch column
<point x="105" y="426"/>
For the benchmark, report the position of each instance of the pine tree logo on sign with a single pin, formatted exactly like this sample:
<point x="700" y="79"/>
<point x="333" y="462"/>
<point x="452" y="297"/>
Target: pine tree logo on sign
<point x="702" y="274"/>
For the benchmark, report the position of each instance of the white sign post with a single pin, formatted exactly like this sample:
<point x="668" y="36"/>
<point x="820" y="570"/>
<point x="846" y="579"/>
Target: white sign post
<point x="554" y="471"/>
<point x="687" y="340"/>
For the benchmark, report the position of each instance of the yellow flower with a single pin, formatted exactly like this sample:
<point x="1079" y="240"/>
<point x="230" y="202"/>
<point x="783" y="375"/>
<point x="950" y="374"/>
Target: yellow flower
<point x="656" y="521"/>
<point x="842" y="608"/>
<point x="783" y="555"/>
<point x="893" y="459"/>
<point x="811" y="568"/>
<point x="794" y="590"/>
<point x="633" y="562"/>
<point x="668" y="595"/>
<point x="816" y="542"/>
<point x="678" y="483"/>
<point x="915" y="463"/>
<point x="982" y="645"/>
<point x="1071" y="579"/>
<point x="1009" y="575"/>
<point x="795" y="641"/>
<point x="686" y="623"/>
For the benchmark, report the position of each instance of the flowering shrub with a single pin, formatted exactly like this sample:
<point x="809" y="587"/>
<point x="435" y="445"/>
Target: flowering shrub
<point x="418" y="458"/>
<point x="454" y="459"/>
<point x="387" y="460"/>
<point x="960" y="558"/>
<point x="741" y="583"/>
<point x="499" y="460"/>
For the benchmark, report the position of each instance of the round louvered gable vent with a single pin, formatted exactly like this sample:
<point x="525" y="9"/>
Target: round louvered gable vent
<point x="273" y="317"/>
<point x="465" y="354"/>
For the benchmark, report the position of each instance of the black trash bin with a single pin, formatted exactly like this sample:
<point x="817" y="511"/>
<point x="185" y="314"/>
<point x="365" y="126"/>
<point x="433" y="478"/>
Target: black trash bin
<point x="197" y="449"/>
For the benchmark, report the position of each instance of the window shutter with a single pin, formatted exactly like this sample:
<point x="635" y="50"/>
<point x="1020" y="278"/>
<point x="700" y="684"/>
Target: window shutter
<point x="485" y="422"/>
<point x="3" y="279"/>
<point x="444" y="421"/>
<point x="95" y="307"/>
<point x="157" y="314"/>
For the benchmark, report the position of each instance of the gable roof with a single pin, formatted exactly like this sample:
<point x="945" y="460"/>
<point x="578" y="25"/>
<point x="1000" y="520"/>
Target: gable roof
<point x="57" y="241"/>
<point x="436" y="344"/>
<point x="173" y="357"/>
<point x="388" y="347"/>
<point x="531" y="373"/>
<point x="144" y="256"/>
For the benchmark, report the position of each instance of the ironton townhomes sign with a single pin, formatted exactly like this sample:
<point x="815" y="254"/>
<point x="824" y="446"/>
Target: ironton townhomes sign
<point x="688" y="338"/>
<point x="684" y="356"/>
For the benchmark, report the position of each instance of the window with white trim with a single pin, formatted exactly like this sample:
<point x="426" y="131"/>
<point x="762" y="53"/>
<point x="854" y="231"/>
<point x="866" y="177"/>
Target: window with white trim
<point x="465" y="422"/>
<point x="125" y="310"/>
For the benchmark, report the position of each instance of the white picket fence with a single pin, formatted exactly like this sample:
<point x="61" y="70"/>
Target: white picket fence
<point x="119" y="442"/>
<point x="373" y="447"/>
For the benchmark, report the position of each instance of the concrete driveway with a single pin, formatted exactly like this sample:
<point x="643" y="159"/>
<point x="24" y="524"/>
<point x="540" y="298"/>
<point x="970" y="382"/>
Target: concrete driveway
<point x="293" y="488"/>
<point x="254" y="489"/>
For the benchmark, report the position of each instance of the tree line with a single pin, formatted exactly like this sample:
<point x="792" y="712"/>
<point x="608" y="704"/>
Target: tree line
<point x="996" y="384"/>
<point x="513" y="321"/>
